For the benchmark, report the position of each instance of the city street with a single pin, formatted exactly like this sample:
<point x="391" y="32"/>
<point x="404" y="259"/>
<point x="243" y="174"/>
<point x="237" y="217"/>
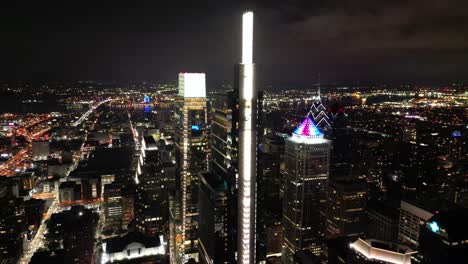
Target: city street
<point x="38" y="241"/>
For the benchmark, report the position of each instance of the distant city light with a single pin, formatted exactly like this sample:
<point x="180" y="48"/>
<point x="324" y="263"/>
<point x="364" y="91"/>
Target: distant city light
<point x="196" y="128"/>
<point x="147" y="99"/>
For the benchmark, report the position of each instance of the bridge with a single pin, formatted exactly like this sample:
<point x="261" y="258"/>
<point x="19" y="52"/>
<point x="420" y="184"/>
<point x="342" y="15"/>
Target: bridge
<point x="86" y="115"/>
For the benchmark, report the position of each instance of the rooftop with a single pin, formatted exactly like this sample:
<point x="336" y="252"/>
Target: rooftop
<point x="383" y="251"/>
<point x="119" y="244"/>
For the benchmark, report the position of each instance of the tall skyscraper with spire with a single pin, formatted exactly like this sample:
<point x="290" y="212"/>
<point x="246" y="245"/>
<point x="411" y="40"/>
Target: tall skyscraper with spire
<point x="307" y="159"/>
<point x="247" y="147"/>
<point x="191" y="142"/>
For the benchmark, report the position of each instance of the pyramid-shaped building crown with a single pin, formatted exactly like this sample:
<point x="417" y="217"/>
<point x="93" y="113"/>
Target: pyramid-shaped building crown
<point x="307" y="128"/>
<point x="307" y="131"/>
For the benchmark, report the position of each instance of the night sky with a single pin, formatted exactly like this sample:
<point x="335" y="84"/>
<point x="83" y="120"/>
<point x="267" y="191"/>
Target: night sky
<point x="354" y="40"/>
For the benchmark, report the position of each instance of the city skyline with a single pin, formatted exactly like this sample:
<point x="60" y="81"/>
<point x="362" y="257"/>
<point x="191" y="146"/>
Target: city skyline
<point x="245" y="169"/>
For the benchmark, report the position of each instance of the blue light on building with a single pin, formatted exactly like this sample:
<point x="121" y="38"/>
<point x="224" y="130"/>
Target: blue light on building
<point x="196" y="128"/>
<point x="434" y="227"/>
<point x="456" y="134"/>
<point x="147" y="99"/>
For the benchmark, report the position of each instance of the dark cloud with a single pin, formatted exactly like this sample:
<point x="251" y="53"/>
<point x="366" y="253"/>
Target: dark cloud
<point x="377" y="39"/>
<point x="410" y="25"/>
<point x="344" y="40"/>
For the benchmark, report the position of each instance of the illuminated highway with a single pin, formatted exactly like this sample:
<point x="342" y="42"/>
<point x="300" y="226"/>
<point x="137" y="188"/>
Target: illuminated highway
<point x="86" y="115"/>
<point x="30" y="133"/>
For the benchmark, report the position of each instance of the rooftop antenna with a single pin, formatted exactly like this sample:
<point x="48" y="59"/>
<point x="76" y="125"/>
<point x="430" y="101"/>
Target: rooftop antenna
<point x="318" y="95"/>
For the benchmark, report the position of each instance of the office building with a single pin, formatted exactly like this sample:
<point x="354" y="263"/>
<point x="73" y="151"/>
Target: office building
<point x="25" y="181"/>
<point x="213" y="219"/>
<point x="134" y="247"/>
<point x="346" y="204"/>
<point x="269" y="196"/>
<point x="444" y="237"/>
<point x="270" y="179"/>
<point x="412" y="218"/>
<point x="346" y="250"/>
<point x="113" y="207"/>
<point x="273" y="237"/>
<point x="34" y="211"/>
<point x="191" y="141"/>
<point x="224" y="144"/>
<point x="152" y="215"/>
<point x="382" y="221"/>
<point x="128" y="205"/>
<point x="69" y="193"/>
<point x="49" y="257"/>
<point x="409" y="131"/>
<point x="40" y="150"/>
<point x="414" y="214"/>
<point x="74" y="230"/>
<point x="375" y="251"/>
<point x="224" y="136"/>
<point x="12" y="228"/>
<point x="307" y="155"/>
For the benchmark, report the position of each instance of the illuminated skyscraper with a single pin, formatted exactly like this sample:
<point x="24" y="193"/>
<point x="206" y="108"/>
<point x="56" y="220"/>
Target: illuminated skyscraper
<point x="307" y="158"/>
<point x="152" y="206"/>
<point x="247" y="147"/>
<point x="191" y="155"/>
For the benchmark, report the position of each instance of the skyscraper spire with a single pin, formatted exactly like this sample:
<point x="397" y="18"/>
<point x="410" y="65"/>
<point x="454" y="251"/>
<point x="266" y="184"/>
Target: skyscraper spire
<point x="318" y="92"/>
<point x="318" y="111"/>
<point x="247" y="147"/>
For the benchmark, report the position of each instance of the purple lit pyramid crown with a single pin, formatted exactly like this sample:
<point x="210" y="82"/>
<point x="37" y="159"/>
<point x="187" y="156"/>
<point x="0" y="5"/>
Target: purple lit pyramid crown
<point x="307" y="129"/>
